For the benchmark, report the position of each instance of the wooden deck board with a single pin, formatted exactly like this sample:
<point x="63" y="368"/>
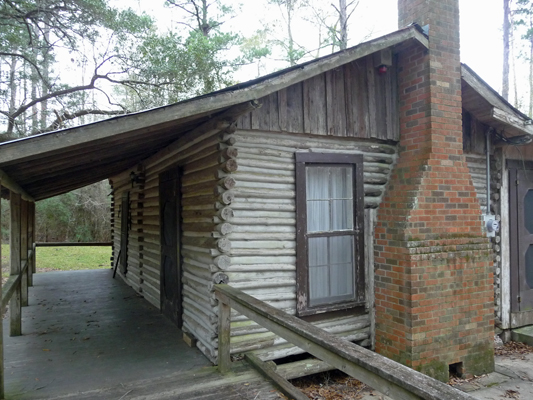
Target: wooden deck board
<point x="88" y="336"/>
<point x="202" y="384"/>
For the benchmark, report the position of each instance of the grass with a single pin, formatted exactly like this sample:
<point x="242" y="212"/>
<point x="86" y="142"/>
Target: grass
<point x="64" y="258"/>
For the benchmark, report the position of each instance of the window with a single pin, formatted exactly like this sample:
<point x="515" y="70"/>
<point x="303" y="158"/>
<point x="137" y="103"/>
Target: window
<point x="329" y="209"/>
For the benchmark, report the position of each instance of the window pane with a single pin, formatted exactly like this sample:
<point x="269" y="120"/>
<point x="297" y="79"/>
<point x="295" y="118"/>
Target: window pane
<point x="317" y="183"/>
<point x="318" y="216"/>
<point x="318" y="251"/>
<point x="341" y="215"/>
<point x="341" y="282"/>
<point x="341" y="249"/>
<point x="341" y="268"/>
<point x="331" y="276"/>
<point x="318" y="285"/>
<point x="341" y="182"/>
<point x="318" y="269"/>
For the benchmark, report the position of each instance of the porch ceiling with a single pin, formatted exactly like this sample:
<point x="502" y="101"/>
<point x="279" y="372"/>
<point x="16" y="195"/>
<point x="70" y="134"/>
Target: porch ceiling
<point x="50" y="164"/>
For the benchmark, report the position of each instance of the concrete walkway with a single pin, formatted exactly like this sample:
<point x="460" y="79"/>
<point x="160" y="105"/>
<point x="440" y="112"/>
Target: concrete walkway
<point x="513" y="379"/>
<point x="83" y="331"/>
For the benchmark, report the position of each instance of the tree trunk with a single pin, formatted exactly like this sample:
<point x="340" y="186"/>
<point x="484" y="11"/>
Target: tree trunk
<point x="506" y="40"/>
<point x="46" y="79"/>
<point x="292" y="58"/>
<point x="12" y="97"/>
<point x="343" y="19"/>
<point x="530" y="77"/>
<point x="34" y="85"/>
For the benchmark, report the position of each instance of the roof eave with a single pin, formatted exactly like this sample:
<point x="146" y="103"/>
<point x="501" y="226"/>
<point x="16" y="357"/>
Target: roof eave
<point x="54" y="141"/>
<point x="501" y="114"/>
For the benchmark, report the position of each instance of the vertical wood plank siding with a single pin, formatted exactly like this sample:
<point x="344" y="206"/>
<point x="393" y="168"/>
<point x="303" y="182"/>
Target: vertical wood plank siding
<point x="352" y="100"/>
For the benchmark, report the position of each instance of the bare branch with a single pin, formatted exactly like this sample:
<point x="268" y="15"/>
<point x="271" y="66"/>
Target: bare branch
<point x="66" y="116"/>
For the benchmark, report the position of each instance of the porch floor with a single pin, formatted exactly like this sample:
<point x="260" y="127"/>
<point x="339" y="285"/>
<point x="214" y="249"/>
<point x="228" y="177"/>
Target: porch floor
<point x="86" y="335"/>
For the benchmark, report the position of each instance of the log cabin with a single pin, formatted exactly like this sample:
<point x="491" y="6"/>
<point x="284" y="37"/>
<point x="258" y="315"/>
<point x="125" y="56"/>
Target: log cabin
<point x="378" y="192"/>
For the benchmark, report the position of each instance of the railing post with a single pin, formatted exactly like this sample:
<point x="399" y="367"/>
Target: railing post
<point x="24" y="251"/>
<point x="224" y="330"/>
<point x="1" y="328"/>
<point x="31" y="240"/>
<point x="15" y="315"/>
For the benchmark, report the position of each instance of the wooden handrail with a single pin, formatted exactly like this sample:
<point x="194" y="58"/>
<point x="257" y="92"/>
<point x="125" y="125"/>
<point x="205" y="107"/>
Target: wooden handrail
<point x="383" y="374"/>
<point x="13" y="281"/>
<point x="72" y="244"/>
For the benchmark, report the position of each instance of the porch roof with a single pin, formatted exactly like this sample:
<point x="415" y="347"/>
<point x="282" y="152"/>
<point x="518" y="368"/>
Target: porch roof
<point x="52" y="163"/>
<point x="489" y="107"/>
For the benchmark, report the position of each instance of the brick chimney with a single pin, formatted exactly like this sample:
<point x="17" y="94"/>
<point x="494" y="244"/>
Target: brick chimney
<point x="434" y="283"/>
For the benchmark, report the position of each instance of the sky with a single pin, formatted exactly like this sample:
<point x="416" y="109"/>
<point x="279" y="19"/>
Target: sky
<point x="481" y="21"/>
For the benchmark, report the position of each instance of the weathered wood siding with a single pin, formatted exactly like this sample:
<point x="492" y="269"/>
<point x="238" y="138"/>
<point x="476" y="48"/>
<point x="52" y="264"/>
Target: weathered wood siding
<point x="350" y="101"/>
<point x="238" y="200"/>
<point x="474" y="147"/>
<point x="205" y="164"/>
<point x="263" y="232"/>
<point x="121" y="184"/>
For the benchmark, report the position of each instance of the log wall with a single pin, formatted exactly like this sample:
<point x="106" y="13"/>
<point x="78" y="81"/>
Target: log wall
<point x="121" y="184"/>
<point x="238" y="200"/>
<point x="262" y="258"/>
<point x="474" y="146"/>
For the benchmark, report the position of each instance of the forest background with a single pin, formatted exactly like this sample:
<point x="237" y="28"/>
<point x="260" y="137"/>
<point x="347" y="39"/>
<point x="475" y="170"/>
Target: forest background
<point x="69" y="62"/>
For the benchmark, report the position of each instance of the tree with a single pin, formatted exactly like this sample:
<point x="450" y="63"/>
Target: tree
<point x="344" y="11"/>
<point x="524" y="20"/>
<point x="205" y="52"/>
<point x="506" y="47"/>
<point x="33" y="33"/>
<point x="292" y="50"/>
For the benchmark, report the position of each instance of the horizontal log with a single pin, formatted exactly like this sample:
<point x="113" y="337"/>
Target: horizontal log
<point x="263" y="170"/>
<point x="239" y="192"/>
<point x="261" y="267"/>
<point x="201" y="165"/>
<point x="294" y="142"/>
<point x="211" y="300"/>
<point x="266" y="177"/>
<point x="73" y="244"/>
<point x="235" y="276"/>
<point x="266" y="185"/>
<point x="262" y="252"/>
<point x="208" y="174"/>
<point x="209" y="243"/>
<point x="270" y="166"/>
<point x="264" y="204"/>
<point x="263" y="229"/>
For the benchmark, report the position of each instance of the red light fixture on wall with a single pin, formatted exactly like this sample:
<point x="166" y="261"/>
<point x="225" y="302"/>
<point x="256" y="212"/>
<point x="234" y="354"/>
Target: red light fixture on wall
<point x="382" y="61"/>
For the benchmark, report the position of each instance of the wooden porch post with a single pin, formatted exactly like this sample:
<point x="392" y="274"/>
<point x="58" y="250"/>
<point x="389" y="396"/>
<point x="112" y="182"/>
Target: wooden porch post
<point x="31" y="241"/>
<point x="224" y="333"/>
<point x="1" y="324"/>
<point x="24" y="251"/>
<point x="15" y="315"/>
